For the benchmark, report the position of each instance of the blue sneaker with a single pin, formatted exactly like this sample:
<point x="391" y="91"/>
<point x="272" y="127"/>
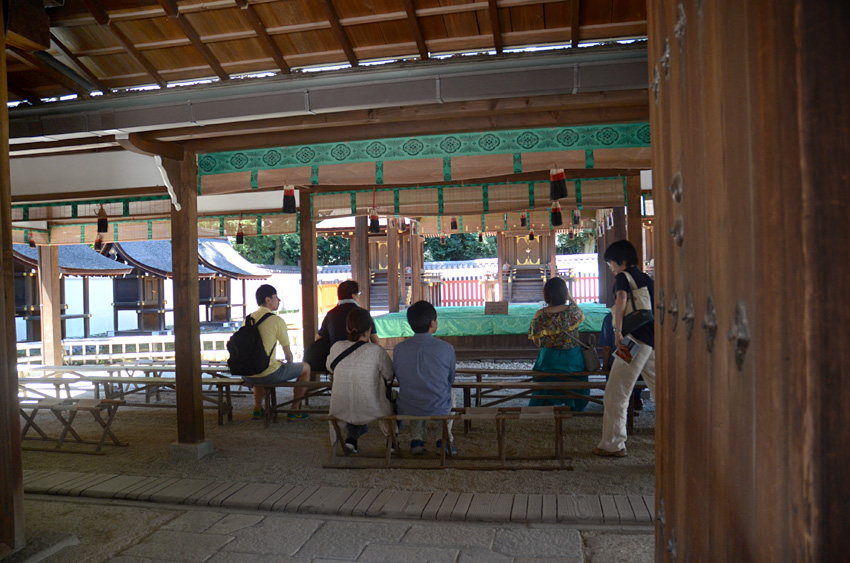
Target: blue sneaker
<point x="417" y="447"/>
<point x="451" y="450"/>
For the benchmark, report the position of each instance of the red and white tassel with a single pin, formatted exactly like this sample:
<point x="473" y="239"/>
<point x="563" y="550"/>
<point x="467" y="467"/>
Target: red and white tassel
<point x="557" y="184"/>
<point x="557" y="217"/>
<point x="522" y="220"/>
<point x="289" y="199"/>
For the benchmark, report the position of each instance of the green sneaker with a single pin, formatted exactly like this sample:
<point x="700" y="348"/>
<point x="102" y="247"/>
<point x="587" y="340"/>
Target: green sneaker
<point x="258" y="414"/>
<point x="297" y="415"/>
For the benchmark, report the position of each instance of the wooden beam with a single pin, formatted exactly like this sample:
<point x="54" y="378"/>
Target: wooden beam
<point x="102" y="18"/>
<point x="415" y="264"/>
<point x="187" y="328"/>
<point x="50" y="72"/>
<point x="415" y="28"/>
<point x="574" y="22"/>
<point x="78" y="65"/>
<point x="29" y="26"/>
<point x="11" y="470"/>
<point x="634" y="221"/>
<point x="309" y="265"/>
<point x="249" y="14"/>
<point x="173" y="13"/>
<point x="392" y="265"/>
<point x="339" y="32"/>
<point x="52" y="352"/>
<point x="494" y="24"/>
<point x="360" y="268"/>
<point x="140" y="145"/>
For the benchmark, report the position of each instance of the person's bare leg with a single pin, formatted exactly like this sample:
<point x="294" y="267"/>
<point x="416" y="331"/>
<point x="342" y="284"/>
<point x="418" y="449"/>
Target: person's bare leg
<point x="299" y="392"/>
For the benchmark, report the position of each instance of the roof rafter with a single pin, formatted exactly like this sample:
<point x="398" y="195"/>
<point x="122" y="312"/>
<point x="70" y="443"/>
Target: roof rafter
<point x="268" y="45"/>
<point x="494" y="24"/>
<point x="79" y="64"/>
<point x="49" y="71"/>
<point x="333" y="18"/>
<point x="173" y="13"/>
<point x="574" y="22"/>
<point x="103" y="19"/>
<point x="416" y="28"/>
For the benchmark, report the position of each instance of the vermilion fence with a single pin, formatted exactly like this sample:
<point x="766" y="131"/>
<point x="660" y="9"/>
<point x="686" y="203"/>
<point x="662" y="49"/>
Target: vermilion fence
<point x="462" y="293"/>
<point x="586" y="289"/>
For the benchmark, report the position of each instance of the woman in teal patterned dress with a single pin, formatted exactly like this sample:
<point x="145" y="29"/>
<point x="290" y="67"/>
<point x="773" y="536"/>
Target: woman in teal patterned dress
<point x="558" y="352"/>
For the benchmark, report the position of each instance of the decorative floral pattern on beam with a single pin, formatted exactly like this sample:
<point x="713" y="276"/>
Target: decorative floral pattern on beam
<point x="625" y="135"/>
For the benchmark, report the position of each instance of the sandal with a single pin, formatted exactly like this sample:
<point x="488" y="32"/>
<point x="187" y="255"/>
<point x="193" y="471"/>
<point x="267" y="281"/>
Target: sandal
<point x="606" y="453"/>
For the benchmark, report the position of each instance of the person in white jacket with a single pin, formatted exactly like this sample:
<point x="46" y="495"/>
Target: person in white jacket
<point x="358" y="394"/>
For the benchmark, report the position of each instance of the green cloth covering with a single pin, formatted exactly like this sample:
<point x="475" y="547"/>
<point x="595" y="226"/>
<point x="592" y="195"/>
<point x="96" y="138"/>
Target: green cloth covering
<point x="471" y="321"/>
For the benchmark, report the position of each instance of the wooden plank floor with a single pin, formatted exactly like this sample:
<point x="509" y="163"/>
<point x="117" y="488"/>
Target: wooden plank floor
<point x="635" y="510"/>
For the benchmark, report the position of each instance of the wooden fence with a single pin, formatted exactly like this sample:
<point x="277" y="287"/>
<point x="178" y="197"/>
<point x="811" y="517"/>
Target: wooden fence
<point x="586" y="289"/>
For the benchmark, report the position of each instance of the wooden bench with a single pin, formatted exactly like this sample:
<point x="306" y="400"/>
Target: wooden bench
<point x="118" y="388"/>
<point x="445" y="460"/>
<point x="70" y="406"/>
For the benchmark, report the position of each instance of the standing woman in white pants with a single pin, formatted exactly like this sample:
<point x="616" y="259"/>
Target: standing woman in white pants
<point x="622" y="260"/>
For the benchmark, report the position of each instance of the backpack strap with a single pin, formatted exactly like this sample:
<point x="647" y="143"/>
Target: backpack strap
<point x="251" y="322"/>
<point x="346" y="353"/>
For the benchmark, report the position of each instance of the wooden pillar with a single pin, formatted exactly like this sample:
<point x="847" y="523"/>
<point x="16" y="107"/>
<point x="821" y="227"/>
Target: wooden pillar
<point x="187" y="329"/>
<point x="11" y="472"/>
<point x="309" y="283"/>
<point x="501" y="259"/>
<point x="392" y="265"/>
<point x="415" y="263"/>
<point x="360" y="258"/>
<point x="404" y="260"/>
<point x="634" y="221"/>
<point x="552" y="245"/>
<point x="50" y="294"/>
<point x="86" y="308"/>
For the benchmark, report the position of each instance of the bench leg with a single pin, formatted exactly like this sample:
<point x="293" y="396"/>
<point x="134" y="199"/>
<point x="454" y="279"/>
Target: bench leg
<point x="467" y="403"/>
<point x="500" y="440"/>
<point x="31" y="424"/>
<point x="559" y="439"/>
<point x="67" y="428"/>
<point x="339" y="441"/>
<point x="107" y="425"/>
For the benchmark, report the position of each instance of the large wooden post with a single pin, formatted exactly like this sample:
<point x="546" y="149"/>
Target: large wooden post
<point x="50" y="294"/>
<point x="392" y="265"/>
<point x="749" y="140"/>
<point x="415" y="263"/>
<point x="309" y="282"/>
<point x="360" y="258"/>
<point x="187" y="330"/>
<point x="634" y="221"/>
<point x="11" y="472"/>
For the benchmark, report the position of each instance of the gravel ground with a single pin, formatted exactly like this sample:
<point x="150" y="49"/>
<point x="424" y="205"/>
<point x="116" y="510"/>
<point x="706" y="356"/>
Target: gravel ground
<point x="294" y="452"/>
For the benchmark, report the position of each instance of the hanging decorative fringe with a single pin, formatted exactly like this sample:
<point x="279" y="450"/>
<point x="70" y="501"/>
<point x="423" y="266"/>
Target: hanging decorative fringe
<point x="240" y="236"/>
<point x="289" y="199"/>
<point x="576" y="216"/>
<point x="557" y="217"/>
<point x="442" y="239"/>
<point x="522" y="220"/>
<point x="557" y="184"/>
<point x="454" y="223"/>
<point x="374" y="226"/>
<point x="31" y="241"/>
<point x="480" y="237"/>
<point x="531" y="234"/>
<point x="98" y="243"/>
<point x="102" y="221"/>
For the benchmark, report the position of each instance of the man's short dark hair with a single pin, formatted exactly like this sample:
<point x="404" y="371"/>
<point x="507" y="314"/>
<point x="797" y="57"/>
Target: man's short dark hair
<point x="347" y="289"/>
<point x="264" y="291"/>
<point x="622" y="252"/>
<point x="420" y="315"/>
<point x="555" y="292"/>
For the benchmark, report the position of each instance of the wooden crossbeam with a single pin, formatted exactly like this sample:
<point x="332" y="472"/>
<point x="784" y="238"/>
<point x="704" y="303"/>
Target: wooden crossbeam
<point x="49" y="71"/>
<point x="249" y="14"/>
<point x="494" y="24"/>
<point x="574" y="22"/>
<point x="413" y="20"/>
<point x="173" y="13"/>
<point x="79" y="66"/>
<point x="333" y="18"/>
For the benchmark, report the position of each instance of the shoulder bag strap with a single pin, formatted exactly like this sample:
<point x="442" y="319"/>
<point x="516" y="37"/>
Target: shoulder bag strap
<point x="346" y="353"/>
<point x="632" y="286"/>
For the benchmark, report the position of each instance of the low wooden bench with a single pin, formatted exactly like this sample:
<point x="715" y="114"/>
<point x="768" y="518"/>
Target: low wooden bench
<point x="70" y="406"/>
<point x="118" y="388"/>
<point x="445" y="460"/>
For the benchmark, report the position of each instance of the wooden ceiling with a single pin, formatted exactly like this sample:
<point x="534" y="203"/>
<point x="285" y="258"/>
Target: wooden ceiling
<point x="119" y="44"/>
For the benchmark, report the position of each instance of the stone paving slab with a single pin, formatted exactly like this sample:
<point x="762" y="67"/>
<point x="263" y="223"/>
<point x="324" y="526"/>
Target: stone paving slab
<point x="340" y="540"/>
<point x="179" y="546"/>
<point x="179" y="491"/>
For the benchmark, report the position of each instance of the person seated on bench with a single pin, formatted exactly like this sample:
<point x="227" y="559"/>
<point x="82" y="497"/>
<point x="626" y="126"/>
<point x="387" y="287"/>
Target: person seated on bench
<point x="425" y="368"/>
<point x="272" y="331"/>
<point x="360" y="379"/>
<point x="333" y="327"/>
<point x="555" y="329"/>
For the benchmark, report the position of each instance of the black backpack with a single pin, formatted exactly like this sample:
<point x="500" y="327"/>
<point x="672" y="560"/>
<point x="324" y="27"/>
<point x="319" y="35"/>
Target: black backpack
<point x="247" y="354"/>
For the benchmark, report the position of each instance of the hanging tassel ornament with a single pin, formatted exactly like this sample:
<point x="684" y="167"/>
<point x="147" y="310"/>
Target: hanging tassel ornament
<point x="374" y="226"/>
<point x="454" y="223"/>
<point x="557" y="217"/>
<point x="522" y="220"/>
<point x="31" y="241"/>
<point x="480" y="237"/>
<point x="289" y="199"/>
<point x="531" y="234"/>
<point x="576" y="216"/>
<point x="572" y="234"/>
<point x="240" y="236"/>
<point x="102" y="221"/>
<point x="443" y="239"/>
<point x="98" y="243"/>
<point x="557" y="184"/>
<point x="610" y="221"/>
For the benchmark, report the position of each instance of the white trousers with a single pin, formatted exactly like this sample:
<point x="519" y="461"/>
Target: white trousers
<point x="618" y="391"/>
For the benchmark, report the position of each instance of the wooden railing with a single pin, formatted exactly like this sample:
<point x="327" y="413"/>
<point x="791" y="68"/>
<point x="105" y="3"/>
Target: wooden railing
<point x="586" y="289"/>
<point x="462" y="293"/>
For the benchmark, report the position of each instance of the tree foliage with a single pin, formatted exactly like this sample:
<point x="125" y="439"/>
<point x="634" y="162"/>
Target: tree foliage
<point x="584" y="242"/>
<point x="459" y="247"/>
<point x="285" y="250"/>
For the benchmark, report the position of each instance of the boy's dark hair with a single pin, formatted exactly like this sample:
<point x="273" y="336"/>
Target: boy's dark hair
<point x="347" y="289"/>
<point x="555" y="292"/>
<point x="420" y="315"/>
<point x="622" y="252"/>
<point x="357" y="323"/>
<point x="264" y="291"/>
